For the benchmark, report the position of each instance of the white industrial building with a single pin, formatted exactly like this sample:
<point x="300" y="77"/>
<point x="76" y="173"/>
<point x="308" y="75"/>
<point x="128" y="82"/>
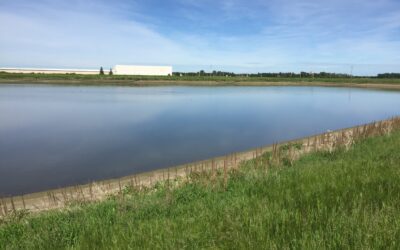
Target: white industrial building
<point x="142" y="70"/>
<point x="51" y="71"/>
<point x="117" y="70"/>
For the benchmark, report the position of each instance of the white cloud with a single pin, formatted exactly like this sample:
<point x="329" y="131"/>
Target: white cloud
<point x="72" y="37"/>
<point x="293" y="35"/>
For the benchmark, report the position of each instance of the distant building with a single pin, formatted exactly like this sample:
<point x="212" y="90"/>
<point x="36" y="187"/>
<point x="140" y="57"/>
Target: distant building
<point x="50" y="71"/>
<point x="142" y="70"/>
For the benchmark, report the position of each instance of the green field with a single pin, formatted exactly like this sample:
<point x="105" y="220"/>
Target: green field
<point x="342" y="200"/>
<point x="75" y="79"/>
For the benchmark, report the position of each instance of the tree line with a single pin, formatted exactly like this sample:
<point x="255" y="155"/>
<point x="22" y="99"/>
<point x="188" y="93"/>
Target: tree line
<point x="389" y="75"/>
<point x="279" y="74"/>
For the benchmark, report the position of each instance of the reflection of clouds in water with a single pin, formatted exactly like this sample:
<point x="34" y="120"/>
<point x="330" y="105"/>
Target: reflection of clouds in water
<point x="358" y="102"/>
<point x="80" y="109"/>
<point x="77" y="134"/>
<point x="85" y="108"/>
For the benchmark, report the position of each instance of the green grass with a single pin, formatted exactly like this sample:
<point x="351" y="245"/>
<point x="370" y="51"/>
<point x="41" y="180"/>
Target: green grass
<point x="341" y="200"/>
<point x="77" y="79"/>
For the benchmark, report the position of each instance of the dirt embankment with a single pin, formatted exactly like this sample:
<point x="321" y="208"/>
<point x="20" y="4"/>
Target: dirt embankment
<point x="285" y="151"/>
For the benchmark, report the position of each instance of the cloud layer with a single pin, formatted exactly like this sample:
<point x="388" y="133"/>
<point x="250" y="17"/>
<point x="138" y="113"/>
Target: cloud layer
<point x="236" y="35"/>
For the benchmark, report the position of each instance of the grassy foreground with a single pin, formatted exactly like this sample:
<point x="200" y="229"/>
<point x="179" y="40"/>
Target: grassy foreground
<point x="343" y="199"/>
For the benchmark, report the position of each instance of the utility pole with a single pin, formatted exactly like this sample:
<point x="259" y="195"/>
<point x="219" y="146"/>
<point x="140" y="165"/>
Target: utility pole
<point x="351" y="71"/>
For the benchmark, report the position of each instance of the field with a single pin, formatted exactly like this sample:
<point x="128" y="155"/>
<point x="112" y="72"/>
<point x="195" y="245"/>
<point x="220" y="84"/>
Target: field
<point x="339" y="199"/>
<point x="73" y="79"/>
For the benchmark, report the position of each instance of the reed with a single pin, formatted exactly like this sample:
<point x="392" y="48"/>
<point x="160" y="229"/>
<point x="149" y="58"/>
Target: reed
<point x="13" y="205"/>
<point x="3" y="208"/>
<point x="23" y="202"/>
<point x="225" y="175"/>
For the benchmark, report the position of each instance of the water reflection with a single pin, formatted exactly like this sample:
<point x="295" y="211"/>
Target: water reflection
<point x="57" y="136"/>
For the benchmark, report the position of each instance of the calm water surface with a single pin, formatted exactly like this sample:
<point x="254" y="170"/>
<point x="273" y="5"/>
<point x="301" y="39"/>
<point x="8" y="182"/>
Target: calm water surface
<point x="52" y="136"/>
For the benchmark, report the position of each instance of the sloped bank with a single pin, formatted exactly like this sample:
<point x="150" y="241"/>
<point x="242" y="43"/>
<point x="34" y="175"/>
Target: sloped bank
<point x="282" y="152"/>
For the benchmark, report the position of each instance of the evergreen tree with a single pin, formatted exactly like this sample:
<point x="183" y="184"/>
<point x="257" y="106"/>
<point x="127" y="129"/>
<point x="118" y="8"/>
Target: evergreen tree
<point x="110" y="72"/>
<point x="101" y="71"/>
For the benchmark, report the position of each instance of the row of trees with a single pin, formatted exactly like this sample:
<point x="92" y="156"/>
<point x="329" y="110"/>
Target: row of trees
<point x="280" y="74"/>
<point x="389" y="75"/>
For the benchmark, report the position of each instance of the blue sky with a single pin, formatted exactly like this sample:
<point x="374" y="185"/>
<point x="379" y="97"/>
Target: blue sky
<point x="232" y="35"/>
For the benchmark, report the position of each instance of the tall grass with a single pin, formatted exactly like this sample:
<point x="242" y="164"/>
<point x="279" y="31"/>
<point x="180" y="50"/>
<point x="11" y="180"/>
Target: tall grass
<point x="339" y="199"/>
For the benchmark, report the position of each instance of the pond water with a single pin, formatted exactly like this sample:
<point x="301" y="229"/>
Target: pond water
<point x="56" y="136"/>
